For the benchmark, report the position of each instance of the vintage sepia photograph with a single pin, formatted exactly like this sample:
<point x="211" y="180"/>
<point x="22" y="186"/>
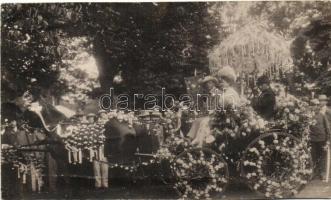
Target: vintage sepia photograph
<point x="166" y="100"/>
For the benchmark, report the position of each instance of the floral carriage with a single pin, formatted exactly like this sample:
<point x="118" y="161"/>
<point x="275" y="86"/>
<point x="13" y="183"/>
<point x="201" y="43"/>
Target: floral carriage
<point x="273" y="158"/>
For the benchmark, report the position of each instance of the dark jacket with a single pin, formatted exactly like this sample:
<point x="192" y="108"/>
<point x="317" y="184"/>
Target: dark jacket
<point x="10" y="112"/>
<point x="265" y="104"/>
<point x="120" y="141"/>
<point x="320" y="132"/>
<point x="9" y="137"/>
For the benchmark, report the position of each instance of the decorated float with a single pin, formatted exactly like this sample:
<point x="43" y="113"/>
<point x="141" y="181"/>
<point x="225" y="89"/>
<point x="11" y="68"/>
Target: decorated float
<point x="271" y="157"/>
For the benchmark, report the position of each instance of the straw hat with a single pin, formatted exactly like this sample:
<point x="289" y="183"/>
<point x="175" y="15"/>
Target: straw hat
<point x="322" y="97"/>
<point x="207" y="79"/>
<point x="91" y="115"/>
<point x="315" y="101"/>
<point x="227" y="73"/>
<point x="102" y="111"/>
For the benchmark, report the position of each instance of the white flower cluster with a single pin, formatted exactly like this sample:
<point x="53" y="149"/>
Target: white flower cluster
<point x="207" y="169"/>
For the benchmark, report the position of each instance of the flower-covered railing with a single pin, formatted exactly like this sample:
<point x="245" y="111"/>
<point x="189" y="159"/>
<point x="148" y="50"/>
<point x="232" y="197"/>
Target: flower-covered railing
<point x="27" y="160"/>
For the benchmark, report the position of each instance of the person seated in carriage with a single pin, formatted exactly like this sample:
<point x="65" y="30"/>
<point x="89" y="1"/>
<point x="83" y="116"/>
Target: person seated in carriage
<point x="265" y="103"/>
<point x="222" y="85"/>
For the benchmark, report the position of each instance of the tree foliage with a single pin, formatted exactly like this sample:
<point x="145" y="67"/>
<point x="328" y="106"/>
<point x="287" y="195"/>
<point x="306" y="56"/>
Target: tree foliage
<point x="289" y="17"/>
<point x="31" y="57"/>
<point x="308" y="23"/>
<point x="153" y="45"/>
<point x="311" y="52"/>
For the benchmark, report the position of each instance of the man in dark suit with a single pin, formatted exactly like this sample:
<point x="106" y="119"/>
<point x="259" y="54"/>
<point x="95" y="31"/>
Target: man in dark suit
<point x="15" y="112"/>
<point x="11" y="186"/>
<point x="319" y="136"/>
<point x="265" y="103"/>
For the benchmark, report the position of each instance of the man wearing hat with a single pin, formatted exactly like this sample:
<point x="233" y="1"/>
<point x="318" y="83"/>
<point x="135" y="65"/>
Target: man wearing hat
<point x="91" y="118"/>
<point x="265" y="103"/>
<point x="320" y="137"/>
<point x="99" y="165"/>
<point x="227" y="79"/>
<point x="103" y="117"/>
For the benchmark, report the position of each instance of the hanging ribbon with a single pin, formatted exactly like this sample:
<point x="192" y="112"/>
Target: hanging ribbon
<point x="100" y="152"/>
<point x="74" y="152"/>
<point x="80" y="156"/>
<point x="18" y="172"/>
<point x="91" y="152"/>
<point x="40" y="182"/>
<point x="148" y="128"/>
<point x="25" y="171"/>
<point x="33" y="176"/>
<point x="67" y="147"/>
<point x="95" y="153"/>
<point x="69" y="156"/>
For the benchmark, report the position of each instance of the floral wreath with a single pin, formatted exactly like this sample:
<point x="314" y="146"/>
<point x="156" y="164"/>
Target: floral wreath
<point x="277" y="164"/>
<point x="199" y="173"/>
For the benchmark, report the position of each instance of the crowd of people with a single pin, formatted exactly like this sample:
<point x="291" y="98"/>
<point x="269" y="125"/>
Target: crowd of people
<point x="24" y="126"/>
<point x="27" y="124"/>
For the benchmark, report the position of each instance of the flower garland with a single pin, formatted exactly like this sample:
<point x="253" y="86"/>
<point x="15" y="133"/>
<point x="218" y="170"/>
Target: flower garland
<point x="27" y="163"/>
<point x="133" y="167"/>
<point x="277" y="165"/>
<point x="11" y="156"/>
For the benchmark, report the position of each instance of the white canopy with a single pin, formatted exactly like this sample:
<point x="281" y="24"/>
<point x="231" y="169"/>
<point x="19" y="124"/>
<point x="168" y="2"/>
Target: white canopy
<point x="252" y="45"/>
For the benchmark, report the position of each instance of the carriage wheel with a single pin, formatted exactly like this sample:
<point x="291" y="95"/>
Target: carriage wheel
<point x="200" y="173"/>
<point x="277" y="165"/>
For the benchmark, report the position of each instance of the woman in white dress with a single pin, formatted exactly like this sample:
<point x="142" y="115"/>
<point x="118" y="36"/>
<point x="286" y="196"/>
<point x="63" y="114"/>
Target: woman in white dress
<point x="228" y="98"/>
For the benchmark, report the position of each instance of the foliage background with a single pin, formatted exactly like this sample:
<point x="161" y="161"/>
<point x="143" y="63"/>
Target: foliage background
<point x="151" y="45"/>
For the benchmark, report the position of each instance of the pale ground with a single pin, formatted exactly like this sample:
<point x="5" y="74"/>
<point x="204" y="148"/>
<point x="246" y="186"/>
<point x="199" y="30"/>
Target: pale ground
<point x="315" y="189"/>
